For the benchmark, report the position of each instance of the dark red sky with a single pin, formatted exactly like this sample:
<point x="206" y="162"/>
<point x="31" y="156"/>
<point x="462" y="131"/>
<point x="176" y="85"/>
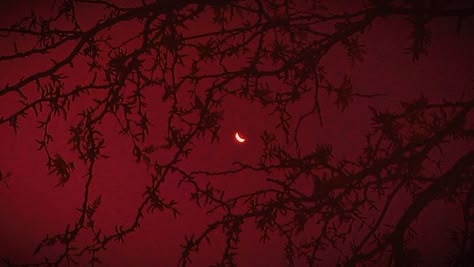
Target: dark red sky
<point x="32" y="206"/>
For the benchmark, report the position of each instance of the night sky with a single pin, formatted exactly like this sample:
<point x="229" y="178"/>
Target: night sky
<point x="32" y="205"/>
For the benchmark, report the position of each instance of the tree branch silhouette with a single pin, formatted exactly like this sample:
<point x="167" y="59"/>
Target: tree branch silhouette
<point x="194" y="72"/>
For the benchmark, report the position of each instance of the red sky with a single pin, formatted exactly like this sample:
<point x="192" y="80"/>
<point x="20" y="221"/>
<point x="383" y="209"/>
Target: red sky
<point x="32" y="206"/>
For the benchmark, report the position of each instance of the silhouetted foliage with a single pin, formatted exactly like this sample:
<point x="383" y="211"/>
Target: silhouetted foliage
<point x="194" y="71"/>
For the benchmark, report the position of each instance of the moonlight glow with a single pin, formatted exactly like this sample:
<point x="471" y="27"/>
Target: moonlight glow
<point x="238" y="138"/>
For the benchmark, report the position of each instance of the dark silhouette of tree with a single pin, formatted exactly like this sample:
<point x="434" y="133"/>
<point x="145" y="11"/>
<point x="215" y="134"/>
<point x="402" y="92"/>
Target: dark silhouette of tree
<point x="243" y="47"/>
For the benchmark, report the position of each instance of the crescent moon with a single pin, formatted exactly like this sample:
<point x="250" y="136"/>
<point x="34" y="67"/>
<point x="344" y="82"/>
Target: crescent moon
<point x="238" y="138"/>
